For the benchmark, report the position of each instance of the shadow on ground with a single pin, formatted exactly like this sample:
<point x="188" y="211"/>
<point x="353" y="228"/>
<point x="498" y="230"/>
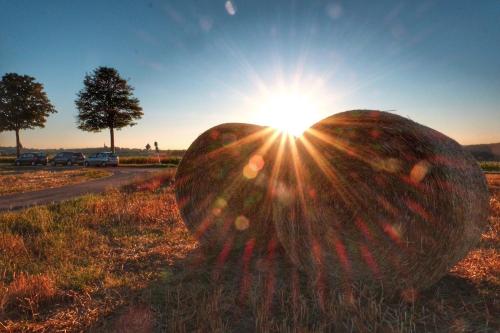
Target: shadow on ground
<point x="265" y="293"/>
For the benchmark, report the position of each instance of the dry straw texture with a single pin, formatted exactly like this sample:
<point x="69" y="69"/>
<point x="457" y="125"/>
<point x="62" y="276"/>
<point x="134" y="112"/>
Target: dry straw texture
<point x="222" y="186"/>
<point x="389" y="202"/>
<point x="362" y="196"/>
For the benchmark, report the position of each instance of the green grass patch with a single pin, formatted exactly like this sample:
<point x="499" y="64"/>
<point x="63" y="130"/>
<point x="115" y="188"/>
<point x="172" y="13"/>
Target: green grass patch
<point x="7" y="159"/>
<point x="490" y="166"/>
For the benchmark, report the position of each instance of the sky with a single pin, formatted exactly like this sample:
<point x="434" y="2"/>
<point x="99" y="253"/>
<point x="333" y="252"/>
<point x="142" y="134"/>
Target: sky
<point x="196" y="64"/>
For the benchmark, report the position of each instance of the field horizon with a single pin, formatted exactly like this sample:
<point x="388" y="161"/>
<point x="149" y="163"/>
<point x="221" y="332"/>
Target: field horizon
<point x="482" y="152"/>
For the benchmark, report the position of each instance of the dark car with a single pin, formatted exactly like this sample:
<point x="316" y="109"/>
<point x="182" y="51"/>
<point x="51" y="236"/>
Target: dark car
<point x="31" y="159"/>
<point x="102" y="159"/>
<point x="68" y="158"/>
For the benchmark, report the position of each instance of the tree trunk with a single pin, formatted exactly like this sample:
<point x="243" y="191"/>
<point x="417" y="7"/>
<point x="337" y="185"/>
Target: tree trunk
<point x="18" y="144"/>
<point x="112" y="134"/>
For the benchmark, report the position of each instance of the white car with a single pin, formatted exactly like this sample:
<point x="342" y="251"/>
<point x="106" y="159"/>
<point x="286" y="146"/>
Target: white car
<point x="102" y="159"/>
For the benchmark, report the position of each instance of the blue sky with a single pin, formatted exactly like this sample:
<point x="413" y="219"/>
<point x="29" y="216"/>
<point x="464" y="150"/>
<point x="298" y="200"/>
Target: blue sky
<point x="196" y="64"/>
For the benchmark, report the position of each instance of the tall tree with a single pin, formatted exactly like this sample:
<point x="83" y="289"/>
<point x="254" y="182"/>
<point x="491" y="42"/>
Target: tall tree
<point x="23" y="105"/>
<point x="106" y="101"/>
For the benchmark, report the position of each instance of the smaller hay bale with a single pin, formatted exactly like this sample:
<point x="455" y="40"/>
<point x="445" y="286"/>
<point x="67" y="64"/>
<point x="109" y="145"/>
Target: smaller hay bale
<point x="382" y="200"/>
<point x="222" y="187"/>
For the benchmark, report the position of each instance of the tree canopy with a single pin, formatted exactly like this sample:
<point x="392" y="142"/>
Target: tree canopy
<point x="23" y="104"/>
<point x="106" y="101"/>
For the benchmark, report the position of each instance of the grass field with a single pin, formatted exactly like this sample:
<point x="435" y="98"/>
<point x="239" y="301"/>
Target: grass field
<point x="124" y="262"/>
<point x="24" y="180"/>
<point x="149" y="160"/>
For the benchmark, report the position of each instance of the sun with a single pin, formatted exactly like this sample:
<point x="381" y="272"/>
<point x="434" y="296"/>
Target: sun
<point x="288" y="111"/>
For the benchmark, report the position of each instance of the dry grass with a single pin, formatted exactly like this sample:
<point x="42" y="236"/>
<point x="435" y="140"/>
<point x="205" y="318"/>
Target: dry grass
<point x="241" y="293"/>
<point x="482" y="265"/>
<point x="98" y="250"/>
<point x="494" y="183"/>
<point x="124" y="262"/>
<point x="12" y="181"/>
<point x="26" y="294"/>
<point x="153" y="159"/>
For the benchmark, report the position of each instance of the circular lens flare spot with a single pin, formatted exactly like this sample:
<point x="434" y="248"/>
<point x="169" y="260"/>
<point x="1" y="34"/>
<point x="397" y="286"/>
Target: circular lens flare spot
<point x="419" y="171"/>
<point x="230" y="8"/>
<point x="219" y="206"/>
<point x="241" y="223"/>
<point x="249" y="173"/>
<point x="220" y="203"/>
<point x="256" y="163"/>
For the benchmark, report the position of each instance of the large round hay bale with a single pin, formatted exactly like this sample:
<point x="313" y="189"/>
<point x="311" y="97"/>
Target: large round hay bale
<point x="380" y="199"/>
<point x="222" y="187"/>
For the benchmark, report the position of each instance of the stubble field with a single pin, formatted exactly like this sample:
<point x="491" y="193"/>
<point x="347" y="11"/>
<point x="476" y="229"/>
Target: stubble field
<point x="124" y="262"/>
<point x="17" y="180"/>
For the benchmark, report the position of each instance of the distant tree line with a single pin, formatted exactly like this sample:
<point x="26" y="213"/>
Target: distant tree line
<point x="105" y="102"/>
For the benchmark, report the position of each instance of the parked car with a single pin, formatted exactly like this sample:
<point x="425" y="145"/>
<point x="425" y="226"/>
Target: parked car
<point x="31" y="159"/>
<point x="102" y="159"/>
<point x="68" y="158"/>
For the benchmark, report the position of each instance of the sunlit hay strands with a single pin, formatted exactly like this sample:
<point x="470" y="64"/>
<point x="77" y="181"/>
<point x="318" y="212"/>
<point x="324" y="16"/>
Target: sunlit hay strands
<point x="216" y="168"/>
<point x="361" y="196"/>
<point x="418" y="228"/>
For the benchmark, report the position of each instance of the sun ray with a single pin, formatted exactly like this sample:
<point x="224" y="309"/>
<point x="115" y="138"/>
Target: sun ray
<point x="366" y="156"/>
<point x="233" y="186"/>
<point x="329" y="171"/>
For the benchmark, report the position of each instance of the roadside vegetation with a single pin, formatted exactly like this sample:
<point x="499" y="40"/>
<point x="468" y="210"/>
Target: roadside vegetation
<point x="490" y="166"/>
<point x="124" y="262"/>
<point x="169" y="160"/>
<point x="14" y="180"/>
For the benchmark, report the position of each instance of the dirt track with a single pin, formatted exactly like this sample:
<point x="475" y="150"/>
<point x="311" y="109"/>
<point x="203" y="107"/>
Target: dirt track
<point x="121" y="176"/>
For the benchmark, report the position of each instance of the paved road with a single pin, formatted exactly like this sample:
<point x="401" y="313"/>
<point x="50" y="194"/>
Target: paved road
<point x="121" y="176"/>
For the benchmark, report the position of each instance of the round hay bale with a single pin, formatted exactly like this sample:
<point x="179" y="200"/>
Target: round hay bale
<point x="380" y="199"/>
<point x="222" y="187"/>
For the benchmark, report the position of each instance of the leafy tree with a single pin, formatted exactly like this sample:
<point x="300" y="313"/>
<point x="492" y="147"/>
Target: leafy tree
<point x="106" y="101"/>
<point x="23" y="105"/>
<point x="148" y="147"/>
